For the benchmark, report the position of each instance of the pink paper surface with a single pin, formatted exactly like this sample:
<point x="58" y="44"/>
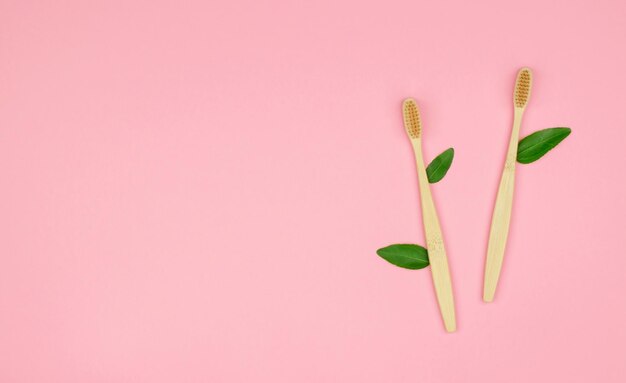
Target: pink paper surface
<point x="194" y="191"/>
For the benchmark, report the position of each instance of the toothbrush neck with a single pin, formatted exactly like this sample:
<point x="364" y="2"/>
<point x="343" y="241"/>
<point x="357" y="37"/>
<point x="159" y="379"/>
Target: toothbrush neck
<point x="517" y="120"/>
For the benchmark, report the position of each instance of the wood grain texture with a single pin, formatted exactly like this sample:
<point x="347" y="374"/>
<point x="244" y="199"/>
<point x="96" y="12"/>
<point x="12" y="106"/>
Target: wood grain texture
<point x="501" y="218"/>
<point x="434" y="244"/>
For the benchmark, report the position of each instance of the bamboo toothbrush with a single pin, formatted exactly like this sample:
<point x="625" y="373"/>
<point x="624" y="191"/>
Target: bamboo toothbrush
<point x="436" y="250"/>
<point x="504" y="201"/>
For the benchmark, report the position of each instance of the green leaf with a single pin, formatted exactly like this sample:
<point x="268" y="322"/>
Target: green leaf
<point x="533" y="147"/>
<point x="439" y="166"/>
<point x="404" y="255"/>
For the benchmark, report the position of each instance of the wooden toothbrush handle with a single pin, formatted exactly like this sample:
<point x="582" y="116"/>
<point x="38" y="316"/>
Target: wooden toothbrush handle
<point x="440" y="270"/>
<point x="436" y="250"/>
<point x="501" y="215"/>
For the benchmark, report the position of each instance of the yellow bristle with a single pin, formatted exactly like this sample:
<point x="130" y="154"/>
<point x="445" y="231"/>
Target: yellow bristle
<point x="412" y="122"/>
<point x="522" y="87"/>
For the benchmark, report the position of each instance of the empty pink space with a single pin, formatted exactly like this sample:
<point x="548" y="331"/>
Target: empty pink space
<point x="195" y="191"/>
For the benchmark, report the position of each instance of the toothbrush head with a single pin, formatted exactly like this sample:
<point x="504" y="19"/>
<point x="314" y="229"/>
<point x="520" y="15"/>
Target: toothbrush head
<point x="523" y="84"/>
<point x="412" y="122"/>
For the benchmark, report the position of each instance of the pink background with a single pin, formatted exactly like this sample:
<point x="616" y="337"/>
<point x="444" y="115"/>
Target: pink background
<point x="194" y="191"/>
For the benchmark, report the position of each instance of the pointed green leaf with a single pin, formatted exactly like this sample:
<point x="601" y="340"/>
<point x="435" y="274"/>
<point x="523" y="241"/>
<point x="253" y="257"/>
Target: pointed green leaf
<point x="439" y="166"/>
<point x="533" y="147"/>
<point x="405" y="255"/>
